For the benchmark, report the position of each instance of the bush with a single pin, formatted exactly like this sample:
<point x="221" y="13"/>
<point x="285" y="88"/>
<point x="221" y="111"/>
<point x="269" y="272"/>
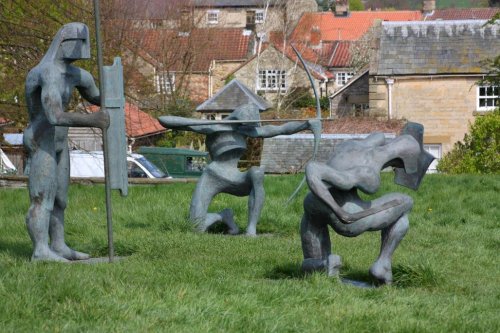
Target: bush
<point x="480" y="150"/>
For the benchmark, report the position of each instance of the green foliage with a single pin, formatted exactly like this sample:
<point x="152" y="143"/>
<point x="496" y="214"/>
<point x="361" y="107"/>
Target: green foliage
<point x="480" y="150"/>
<point x="356" y="5"/>
<point x="182" y="139"/>
<point x="301" y="98"/>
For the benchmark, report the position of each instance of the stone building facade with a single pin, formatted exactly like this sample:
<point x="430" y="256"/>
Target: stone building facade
<point x="427" y="72"/>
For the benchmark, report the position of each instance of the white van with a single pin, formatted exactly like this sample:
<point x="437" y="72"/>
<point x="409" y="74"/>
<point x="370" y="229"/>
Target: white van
<point x="91" y="164"/>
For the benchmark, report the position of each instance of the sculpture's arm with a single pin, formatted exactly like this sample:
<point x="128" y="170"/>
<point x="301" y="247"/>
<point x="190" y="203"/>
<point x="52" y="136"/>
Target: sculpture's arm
<point x="274" y="130"/>
<point x="88" y="88"/>
<point x="54" y="110"/>
<point x="189" y="124"/>
<point x="318" y="175"/>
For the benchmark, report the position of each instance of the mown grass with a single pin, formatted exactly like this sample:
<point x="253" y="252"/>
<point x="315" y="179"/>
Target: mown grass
<point x="447" y="275"/>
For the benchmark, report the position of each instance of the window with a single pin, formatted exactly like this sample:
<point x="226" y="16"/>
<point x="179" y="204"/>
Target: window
<point x="342" y="77"/>
<point x="165" y="83"/>
<point x="487" y="97"/>
<point x="250" y="18"/>
<point x="213" y="17"/>
<point x="259" y="16"/>
<point x="272" y="80"/>
<point x="434" y="150"/>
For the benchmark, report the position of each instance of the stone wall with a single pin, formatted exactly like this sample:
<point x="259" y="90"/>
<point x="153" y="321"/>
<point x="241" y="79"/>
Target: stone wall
<point x="290" y="153"/>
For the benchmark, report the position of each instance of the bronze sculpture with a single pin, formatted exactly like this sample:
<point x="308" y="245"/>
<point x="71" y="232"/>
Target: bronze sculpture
<point x="334" y="200"/>
<point x="49" y="87"/>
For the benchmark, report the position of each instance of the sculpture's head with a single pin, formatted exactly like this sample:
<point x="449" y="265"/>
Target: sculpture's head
<point x="245" y="112"/>
<point x="70" y="43"/>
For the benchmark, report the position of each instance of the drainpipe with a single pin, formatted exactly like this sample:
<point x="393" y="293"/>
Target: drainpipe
<point x="389" y="82"/>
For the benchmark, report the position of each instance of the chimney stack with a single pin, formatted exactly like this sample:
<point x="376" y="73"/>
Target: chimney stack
<point x="429" y="7"/>
<point x="341" y="8"/>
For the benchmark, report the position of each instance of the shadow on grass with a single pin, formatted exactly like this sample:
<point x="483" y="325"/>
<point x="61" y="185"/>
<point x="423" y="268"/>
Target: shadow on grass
<point x="120" y="249"/>
<point x="287" y="271"/>
<point x="20" y="250"/>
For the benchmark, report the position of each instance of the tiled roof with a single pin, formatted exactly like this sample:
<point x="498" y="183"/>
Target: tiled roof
<point x="193" y="52"/>
<point x="336" y="54"/>
<point x="462" y="14"/>
<point x="231" y="96"/>
<point x="351" y="27"/>
<point x="137" y="123"/>
<point x="232" y="3"/>
<point x="435" y="47"/>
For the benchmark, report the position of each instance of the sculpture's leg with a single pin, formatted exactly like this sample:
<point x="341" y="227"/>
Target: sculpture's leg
<point x="56" y="228"/>
<point x="42" y="179"/>
<point x="390" y="239"/>
<point x="255" y="199"/>
<point x="315" y="238"/>
<point x="206" y="188"/>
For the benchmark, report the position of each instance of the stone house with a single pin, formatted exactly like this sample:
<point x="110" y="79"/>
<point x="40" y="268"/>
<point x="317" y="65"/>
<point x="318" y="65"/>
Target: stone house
<point x="427" y="72"/>
<point x="276" y="73"/>
<point x="256" y="15"/>
<point x="188" y="66"/>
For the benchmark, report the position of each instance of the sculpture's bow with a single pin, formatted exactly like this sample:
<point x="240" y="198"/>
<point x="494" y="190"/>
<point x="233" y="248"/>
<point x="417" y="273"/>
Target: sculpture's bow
<point x="315" y="126"/>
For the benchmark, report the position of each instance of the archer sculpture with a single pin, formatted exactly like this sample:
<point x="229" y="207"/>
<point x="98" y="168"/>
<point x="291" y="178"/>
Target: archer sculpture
<point x="334" y="199"/>
<point x="226" y="143"/>
<point x="49" y="87"/>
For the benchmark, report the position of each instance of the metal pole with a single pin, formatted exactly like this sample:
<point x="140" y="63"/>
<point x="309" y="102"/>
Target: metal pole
<point x="109" y="211"/>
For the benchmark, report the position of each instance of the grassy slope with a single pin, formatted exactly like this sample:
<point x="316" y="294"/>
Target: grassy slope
<point x="446" y="270"/>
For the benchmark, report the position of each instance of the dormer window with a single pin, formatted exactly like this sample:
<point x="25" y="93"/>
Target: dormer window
<point x="213" y="17"/>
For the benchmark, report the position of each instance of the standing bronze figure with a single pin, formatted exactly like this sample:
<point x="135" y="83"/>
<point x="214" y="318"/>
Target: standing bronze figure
<point x="49" y="87"/>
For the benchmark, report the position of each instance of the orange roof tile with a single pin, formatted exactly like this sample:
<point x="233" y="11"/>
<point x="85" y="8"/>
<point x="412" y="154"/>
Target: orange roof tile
<point x="137" y="123"/>
<point x="351" y="27"/>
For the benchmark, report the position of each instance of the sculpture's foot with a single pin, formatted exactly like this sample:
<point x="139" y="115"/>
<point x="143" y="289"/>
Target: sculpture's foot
<point x="46" y="254"/>
<point x="382" y="272"/>
<point x="228" y="219"/>
<point x="68" y="253"/>
<point x="333" y="265"/>
<point x="251" y="231"/>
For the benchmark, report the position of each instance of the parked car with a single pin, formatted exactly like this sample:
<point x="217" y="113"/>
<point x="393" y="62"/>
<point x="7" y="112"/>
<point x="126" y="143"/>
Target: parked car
<point x="91" y="164"/>
<point x="180" y="163"/>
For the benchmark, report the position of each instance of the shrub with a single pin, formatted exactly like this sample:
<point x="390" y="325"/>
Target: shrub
<point x="480" y="150"/>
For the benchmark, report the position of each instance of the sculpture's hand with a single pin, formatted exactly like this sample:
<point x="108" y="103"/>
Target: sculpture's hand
<point x="315" y="125"/>
<point x="101" y="119"/>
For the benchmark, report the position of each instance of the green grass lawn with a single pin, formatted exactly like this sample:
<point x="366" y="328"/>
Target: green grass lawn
<point x="446" y="270"/>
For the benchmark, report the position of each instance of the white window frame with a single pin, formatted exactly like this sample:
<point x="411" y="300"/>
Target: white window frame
<point x="436" y="150"/>
<point x="341" y="78"/>
<point x="260" y="16"/>
<point x="163" y="84"/>
<point x="271" y="80"/>
<point x="487" y="95"/>
<point x="213" y="17"/>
